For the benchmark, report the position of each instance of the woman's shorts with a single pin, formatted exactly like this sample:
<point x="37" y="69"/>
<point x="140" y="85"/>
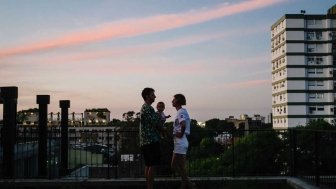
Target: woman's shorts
<point x="180" y="146"/>
<point x="151" y="153"/>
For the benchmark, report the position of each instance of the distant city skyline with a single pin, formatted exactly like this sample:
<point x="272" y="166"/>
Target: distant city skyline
<point x="101" y="54"/>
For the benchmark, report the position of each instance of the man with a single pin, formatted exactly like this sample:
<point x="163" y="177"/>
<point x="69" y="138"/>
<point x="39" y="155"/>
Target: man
<point x="149" y="135"/>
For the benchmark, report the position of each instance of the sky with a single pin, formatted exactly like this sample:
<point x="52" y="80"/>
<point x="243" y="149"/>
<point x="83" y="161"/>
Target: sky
<point x="102" y="53"/>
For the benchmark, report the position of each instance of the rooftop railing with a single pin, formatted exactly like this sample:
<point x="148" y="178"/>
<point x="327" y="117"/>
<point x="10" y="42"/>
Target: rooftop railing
<point x="115" y="153"/>
<point x="43" y="152"/>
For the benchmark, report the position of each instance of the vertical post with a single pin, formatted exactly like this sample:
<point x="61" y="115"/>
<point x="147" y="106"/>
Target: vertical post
<point x="293" y="147"/>
<point x="115" y="157"/>
<point x="295" y="135"/>
<point x="64" y="105"/>
<point x="108" y="153"/>
<point x="42" y="101"/>
<point x="73" y="119"/>
<point x="9" y="97"/>
<point x="233" y="154"/>
<point x="317" y="160"/>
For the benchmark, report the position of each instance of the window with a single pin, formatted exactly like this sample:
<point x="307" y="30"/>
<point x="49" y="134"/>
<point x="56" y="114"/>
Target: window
<point x="310" y="35"/>
<point x="319" y="35"/>
<point x="312" y="95"/>
<point x="320" y="108"/>
<point x="312" y="109"/>
<point x="311" y="83"/>
<point x="319" y="70"/>
<point x="310" y="22"/>
<point x="310" y="59"/>
<point x="311" y="47"/>
<point x="319" y="95"/>
<point x="311" y="71"/>
<point x="319" y="83"/>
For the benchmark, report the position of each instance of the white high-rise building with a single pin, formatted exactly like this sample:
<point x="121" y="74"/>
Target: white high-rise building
<point x="303" y="69"/>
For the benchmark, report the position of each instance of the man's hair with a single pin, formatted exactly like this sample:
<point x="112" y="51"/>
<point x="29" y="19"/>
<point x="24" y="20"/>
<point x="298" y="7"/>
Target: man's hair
<point x="181" y="100"/>
<point x="146" y="92"/>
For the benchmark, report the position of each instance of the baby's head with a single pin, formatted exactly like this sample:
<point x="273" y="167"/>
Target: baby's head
<point x="160" y="106"/>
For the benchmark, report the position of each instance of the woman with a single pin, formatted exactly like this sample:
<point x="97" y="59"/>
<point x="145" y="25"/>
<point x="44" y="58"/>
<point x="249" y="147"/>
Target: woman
<point x="180" y="131"/>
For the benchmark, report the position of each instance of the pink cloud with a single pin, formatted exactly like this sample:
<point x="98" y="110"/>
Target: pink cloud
<point x="135" y="27"/>
<point x="248" y="84"/>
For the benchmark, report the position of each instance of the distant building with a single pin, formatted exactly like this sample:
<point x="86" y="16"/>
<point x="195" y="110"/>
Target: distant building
<point x="201" y="124"/>
<point x="303" y="68"/>
<point x="224" y="138"/>
<point x="97" y="116"/>
<point x="28" y="117"/>
<point x="246" y="122"/>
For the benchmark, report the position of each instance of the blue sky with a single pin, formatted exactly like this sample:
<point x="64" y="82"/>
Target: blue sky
<point x="102" y="53"/>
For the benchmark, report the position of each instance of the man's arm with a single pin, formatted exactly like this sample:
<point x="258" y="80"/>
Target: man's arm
<point x="183" y="128"/>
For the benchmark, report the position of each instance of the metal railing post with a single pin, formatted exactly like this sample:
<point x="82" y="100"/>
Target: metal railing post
<point x="42" y="101"/>
<point x="8" y="96"/>
<point x="293" y="147"/>
<point x="317" y="161"/>
<point x="64" y="105"/>
<point x="233" y="154"/>
<point x="115" y="158"/>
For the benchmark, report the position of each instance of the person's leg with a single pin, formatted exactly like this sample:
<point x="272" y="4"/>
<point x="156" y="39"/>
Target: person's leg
<point x="179" y="162"/>
<point x="146" y="172"/>
<point x="150" y="177"/>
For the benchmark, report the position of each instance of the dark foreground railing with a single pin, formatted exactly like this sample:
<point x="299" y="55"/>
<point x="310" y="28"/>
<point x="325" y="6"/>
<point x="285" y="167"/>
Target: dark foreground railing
<point x="113" y="152"/>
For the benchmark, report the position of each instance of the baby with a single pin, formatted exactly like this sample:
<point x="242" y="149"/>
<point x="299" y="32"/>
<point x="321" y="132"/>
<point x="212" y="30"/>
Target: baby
<point x="160" y="108"/>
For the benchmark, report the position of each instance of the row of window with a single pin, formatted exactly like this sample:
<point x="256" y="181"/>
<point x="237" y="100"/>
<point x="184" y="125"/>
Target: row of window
<point x="314" y="22"/>
<point x="280" y="50"/>
<point x="278" y="63"/>
<point x="278" y="40"/>
<point x="314" y="47"/>
<point x="312" y="109"/>
<point x="279" y="120"/>
<point x="314" y="35"/>
<point x="315" y="60"/>
<point x="280" y="110"/>
<point x="316" y="83"/>
<point x="316" y="95"/>
<point x="279" y="85"/>
<point x="279" y="74"/>
<point x="315" y="71"/>
<point x="279" y="27"/>
<point x="280" y="97"/>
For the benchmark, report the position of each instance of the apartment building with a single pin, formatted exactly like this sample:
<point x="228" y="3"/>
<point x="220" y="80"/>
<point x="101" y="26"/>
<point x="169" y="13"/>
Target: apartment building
<point x="303" y="68"/>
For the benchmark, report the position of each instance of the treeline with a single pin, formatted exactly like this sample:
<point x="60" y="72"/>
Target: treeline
<point x="261" y="151"/>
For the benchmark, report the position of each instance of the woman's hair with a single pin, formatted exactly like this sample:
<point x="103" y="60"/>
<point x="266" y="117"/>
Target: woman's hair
<point x="146" y="92"/>
<point x="181" y="100"/>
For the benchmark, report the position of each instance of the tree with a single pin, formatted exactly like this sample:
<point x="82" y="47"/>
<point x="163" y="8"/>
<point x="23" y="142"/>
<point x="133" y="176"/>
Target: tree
<point x="254" y="154"/>
<point x="128" y="116"/>
<point x="317" y="138"/>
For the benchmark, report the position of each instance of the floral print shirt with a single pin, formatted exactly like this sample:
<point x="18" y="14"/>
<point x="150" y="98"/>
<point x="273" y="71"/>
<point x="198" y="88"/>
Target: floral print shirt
<point x="149" y="120"/>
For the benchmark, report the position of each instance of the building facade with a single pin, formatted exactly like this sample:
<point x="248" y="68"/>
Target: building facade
<point x="96" y="116"/>
<point x="303" y="69"/>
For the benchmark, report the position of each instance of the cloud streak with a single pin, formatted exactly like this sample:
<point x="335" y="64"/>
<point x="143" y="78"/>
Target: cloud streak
<point x="136" y="27"/>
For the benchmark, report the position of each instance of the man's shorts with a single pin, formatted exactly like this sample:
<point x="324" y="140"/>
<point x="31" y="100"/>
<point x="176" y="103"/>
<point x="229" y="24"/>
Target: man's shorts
<point x="151" y="153"/>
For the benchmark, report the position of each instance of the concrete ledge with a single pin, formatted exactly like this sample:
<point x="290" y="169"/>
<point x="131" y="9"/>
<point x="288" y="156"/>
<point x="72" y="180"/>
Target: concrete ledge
<point x="140" y="182"/>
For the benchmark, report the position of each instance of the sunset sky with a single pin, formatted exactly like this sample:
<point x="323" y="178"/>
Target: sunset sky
<point x="102" y="53"/>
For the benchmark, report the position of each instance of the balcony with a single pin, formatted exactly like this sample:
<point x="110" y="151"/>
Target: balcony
<point x="111" y="157"/>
